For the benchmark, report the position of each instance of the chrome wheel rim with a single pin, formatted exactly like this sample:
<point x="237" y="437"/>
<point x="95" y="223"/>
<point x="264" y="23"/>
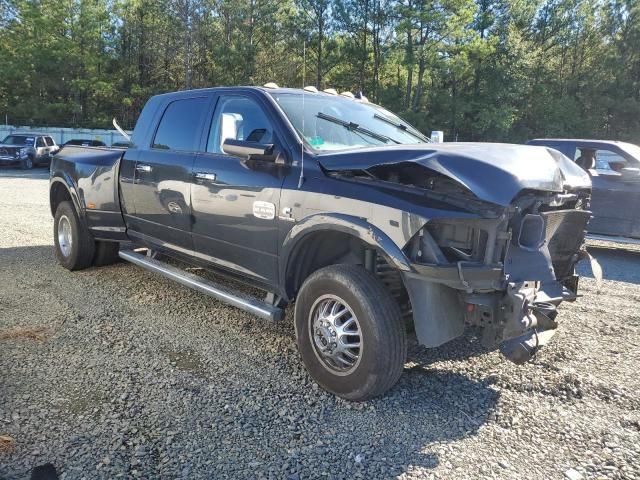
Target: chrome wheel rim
<point x="335" y="335"/>
<point x="65" y="237"/>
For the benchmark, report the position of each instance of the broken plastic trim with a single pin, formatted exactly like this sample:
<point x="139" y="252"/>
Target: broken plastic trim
<point x="531" y="234"/>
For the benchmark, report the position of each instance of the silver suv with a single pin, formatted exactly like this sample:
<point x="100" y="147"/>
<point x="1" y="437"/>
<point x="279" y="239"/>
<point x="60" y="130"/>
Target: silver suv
<point x="27" y="150"/>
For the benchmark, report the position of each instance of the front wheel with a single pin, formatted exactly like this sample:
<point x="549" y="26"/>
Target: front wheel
<point x="350" y="332"/>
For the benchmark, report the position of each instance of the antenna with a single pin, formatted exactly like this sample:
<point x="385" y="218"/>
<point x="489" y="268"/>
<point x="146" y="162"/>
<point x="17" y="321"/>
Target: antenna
<point x="304" y="62"/>
<point x="120" y="130"/>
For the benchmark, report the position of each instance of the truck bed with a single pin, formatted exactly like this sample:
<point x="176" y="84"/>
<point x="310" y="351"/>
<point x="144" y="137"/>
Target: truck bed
<point x="91" y="176"/>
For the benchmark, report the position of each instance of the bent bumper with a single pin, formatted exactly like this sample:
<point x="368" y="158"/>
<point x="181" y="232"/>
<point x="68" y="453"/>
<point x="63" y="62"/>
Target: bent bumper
<point x="461" y="276"/>
<point x="517" y="317"/>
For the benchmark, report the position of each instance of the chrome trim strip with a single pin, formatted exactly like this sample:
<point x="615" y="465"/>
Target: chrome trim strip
<point x="219" y="292"/>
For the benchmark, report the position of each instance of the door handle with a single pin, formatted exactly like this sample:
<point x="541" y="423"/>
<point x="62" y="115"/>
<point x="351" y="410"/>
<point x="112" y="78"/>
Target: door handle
<point x="211" y="177"/>
<point x="144" y="168"/>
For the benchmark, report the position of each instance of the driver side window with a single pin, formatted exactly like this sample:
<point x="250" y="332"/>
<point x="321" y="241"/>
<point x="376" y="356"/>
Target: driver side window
<point x="238" y="118"/>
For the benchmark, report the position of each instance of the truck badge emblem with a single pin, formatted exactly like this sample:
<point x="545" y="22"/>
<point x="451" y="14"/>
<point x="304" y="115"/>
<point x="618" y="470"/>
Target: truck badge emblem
<point x="264" y="210"/>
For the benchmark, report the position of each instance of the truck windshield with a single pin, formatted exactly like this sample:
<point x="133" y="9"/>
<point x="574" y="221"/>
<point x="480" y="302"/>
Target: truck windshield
<point x="330" y="122"/>
<point x="18" y="140"/>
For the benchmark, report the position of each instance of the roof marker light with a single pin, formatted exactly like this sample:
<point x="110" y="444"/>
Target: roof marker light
<point x="348" y="94"/>
<point x="330" y="91"/>
<point x="360" y="96"/>
<point x="271" y="85"/>
<point x="310" y="88"/>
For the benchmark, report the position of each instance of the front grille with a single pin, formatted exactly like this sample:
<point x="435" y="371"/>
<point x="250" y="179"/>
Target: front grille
<point x="565" y="231"/>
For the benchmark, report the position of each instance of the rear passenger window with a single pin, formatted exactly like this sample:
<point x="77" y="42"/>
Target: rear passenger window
<point x="39" y="142"/>
<point x="49" y="141"/>
<point x="181" y="125"/>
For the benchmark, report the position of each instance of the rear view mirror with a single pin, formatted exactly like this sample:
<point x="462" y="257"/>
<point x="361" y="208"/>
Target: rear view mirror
<point x="243" y="148"/>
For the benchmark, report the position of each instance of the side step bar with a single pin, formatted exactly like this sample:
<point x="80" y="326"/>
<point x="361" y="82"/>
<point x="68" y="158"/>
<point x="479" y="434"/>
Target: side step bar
<point x="219" y="292"/>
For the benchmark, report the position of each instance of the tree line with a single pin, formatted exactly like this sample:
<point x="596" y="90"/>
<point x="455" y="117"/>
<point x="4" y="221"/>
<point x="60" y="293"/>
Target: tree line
<point x="481" y="70"/>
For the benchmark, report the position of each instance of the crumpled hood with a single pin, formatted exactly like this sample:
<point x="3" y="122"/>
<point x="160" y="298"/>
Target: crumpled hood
<point x="494" y="172"/>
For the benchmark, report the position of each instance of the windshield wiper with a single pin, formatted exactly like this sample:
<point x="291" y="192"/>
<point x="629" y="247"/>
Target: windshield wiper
<point x="402" y="126"/>
<point x="356" y="128"/>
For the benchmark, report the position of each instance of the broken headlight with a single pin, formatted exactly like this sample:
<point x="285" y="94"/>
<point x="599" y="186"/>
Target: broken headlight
<point x="455" y="240"/>
<point x="459" y="240"/>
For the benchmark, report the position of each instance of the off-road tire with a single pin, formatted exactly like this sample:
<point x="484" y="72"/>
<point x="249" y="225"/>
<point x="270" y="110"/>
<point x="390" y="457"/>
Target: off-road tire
<point x="106" y="253"/>
<point x="81" y="250"/>
<point x="27" y="163"/>
<point x="383" y="338"/>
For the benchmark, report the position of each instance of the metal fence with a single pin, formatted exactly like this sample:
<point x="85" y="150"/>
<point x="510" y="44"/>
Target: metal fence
<point x="61" y="135"/>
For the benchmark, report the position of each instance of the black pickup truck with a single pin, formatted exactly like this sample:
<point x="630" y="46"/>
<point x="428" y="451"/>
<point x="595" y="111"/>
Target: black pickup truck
<point x="340" y="206"/>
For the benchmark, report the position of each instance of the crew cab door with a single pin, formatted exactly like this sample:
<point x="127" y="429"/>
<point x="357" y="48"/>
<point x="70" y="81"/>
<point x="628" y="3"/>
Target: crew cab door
<point x="235" y="200"/>
<point x="161" y="189"/>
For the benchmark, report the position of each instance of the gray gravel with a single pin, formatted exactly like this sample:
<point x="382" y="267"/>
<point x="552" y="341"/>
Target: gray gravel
<point x="140" y="378"/>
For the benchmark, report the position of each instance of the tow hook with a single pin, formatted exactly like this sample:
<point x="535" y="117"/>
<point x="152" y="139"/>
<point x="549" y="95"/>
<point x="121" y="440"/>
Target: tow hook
<point x="522" y="349"/>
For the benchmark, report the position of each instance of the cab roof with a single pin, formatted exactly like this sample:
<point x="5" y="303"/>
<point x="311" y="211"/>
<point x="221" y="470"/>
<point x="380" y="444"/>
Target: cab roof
<point x="278" y="90"/>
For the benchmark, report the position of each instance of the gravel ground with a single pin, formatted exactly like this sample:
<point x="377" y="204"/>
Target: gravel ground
<point x="126" y="375"/>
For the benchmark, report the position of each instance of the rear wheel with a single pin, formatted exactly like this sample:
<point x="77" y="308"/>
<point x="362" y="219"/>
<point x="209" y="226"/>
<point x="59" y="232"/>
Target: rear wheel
<point x="350" y="332"/>
<point x="74" y="245"/>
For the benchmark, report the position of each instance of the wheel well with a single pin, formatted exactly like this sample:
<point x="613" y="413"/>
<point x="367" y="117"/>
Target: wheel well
<point x="321" y="249"/>
<point x="58" y="194"/>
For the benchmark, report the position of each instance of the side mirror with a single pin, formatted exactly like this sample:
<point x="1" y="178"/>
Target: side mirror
<point x="630" y="173"/>
<point x="242" y="148"/>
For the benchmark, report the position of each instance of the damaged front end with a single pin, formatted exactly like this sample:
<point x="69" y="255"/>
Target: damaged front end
<point x="506" y="274"/>
<point x="505" y="227"/>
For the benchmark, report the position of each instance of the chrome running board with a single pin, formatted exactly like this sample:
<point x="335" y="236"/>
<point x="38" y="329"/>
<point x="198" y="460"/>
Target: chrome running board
<point x="219" y="292"/>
